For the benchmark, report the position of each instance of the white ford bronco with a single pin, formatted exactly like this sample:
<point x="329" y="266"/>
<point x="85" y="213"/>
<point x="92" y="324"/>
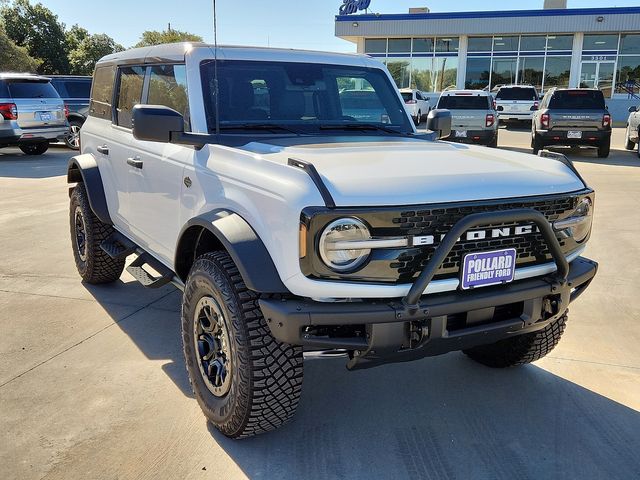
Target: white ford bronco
<point x="297" y="216"/>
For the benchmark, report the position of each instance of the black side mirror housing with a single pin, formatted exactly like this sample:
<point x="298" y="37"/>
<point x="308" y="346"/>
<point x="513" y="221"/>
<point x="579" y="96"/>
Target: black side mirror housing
<point x="633" y="109"/>
<point x="156" y="123"/>
<point x="439" y="121"/>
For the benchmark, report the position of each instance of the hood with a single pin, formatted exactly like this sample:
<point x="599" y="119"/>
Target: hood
<point x="384" y="171"/>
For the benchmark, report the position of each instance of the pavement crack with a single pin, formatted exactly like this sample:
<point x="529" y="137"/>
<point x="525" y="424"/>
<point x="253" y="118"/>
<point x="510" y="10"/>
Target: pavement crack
<point x="115" y="322"/>
<point x="593" y="363"/>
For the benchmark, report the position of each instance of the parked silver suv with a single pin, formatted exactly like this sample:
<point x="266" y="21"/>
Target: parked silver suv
<point x="32" y="114"/>
<point x="473" y="116"/>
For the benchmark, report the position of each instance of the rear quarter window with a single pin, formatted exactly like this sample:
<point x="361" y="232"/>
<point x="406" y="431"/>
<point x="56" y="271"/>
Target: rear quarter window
<point x="31" y="89"/>
<point x="102" y="92"/>
<point x="577" y="100"/>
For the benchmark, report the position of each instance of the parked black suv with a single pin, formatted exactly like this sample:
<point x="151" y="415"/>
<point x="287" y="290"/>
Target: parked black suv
<point x="75" y="91"/>
<point x="572" y="117"/>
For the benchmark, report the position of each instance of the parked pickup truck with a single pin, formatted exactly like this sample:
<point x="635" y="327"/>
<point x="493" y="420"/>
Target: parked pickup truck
<point x="572" y="117"/>
<point x="292" y="225"/>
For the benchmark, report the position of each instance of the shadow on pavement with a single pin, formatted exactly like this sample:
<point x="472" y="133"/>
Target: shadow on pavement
<point x="621" y="158"/>
<point x="18" y="165"/>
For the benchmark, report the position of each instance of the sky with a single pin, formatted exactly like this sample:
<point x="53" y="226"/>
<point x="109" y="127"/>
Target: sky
<point x="305" y="24"/>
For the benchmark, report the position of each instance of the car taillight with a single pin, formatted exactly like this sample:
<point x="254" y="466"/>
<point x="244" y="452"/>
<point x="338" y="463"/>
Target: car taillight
<point x="490" y="120"/>
<point x="66" y="111"/>
<point x="9" y="111"/>
<point x="494" y="104"/>
<point x="411" y="102"/>
<point x="545" y="119"/>
<point x="606" y="120"/>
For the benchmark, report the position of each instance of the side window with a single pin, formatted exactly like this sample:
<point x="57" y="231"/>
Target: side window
<point x="168" y="87"/>
<point x="129" y="93"/>
<point x="77" y="89"/>
<point x="102" y="92"/>
<point x="419" y="96"/>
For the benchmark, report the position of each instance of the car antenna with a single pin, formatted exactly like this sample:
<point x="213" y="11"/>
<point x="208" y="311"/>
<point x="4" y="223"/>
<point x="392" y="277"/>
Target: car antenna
<point x="215" y="68"/>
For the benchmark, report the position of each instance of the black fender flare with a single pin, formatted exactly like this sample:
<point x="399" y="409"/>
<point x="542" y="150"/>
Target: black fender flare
<point x="76" y="116"/>
<point x="84" y="168"/>
<point x="245" y="247"/>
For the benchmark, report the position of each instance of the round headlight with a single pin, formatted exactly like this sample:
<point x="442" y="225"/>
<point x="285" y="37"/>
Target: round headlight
<point x="335" y="245"/>
<point x="581" y="230"/>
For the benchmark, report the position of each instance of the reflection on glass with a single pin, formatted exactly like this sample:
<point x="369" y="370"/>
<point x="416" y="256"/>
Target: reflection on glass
<point x="560" y="42"/>
<point x="399" y="69"/>
<point x="479" y="44"/>
<point x="531" y="71"/>
<point x="509" y="44"/>
<point x="422" y="45"/>
<point x="421" y="77"/>
<point x="478" y="71"/>
<point x="600" y="42"/>
<point x="557" y="72"/>
<point x="504" y="71"/>
<point x="375" y="45"/>
<point x="630" y="43"/>
<point x="447" y="44"/>
<point x="628" y="77"/>
<point x="445" y="72"/>
<point x="535" y="43"/>
<point x="399" y="45"/>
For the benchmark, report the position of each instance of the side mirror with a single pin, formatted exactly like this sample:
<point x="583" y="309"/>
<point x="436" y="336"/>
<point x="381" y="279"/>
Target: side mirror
<point x="633" y="109"/>
<point x="156" y="123"/>
<point x="439" y="121"/>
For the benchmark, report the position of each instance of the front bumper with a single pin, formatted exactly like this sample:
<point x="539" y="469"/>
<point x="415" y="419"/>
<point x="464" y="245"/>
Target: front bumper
<point x="395" y="330"/>
<point x="482" y="137"/>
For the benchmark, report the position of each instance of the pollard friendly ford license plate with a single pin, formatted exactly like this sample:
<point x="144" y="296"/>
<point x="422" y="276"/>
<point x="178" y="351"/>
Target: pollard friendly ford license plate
<point x="488" y="268"/>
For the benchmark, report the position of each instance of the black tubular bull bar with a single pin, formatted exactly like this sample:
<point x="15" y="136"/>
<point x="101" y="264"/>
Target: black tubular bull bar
<point x="416" y="326"/>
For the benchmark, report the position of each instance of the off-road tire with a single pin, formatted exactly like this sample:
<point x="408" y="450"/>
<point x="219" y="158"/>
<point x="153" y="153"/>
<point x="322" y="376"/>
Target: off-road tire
<point x="604" y="148"/>
<point x="628" y="144"/>
<point x="266" y="375"/>
<point x="96" y="267"/>
<point x="520" y="350"/>
<point x="494" y="142"/>
<point x="34" y="148"/>
<point x="536" y="144"/>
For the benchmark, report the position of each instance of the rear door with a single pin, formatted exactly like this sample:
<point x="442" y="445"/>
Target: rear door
<point x="468" y="110"/>
<point x="37" y="102"/>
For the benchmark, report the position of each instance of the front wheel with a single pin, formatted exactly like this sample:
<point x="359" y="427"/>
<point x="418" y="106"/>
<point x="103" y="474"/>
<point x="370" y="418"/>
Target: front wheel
<point x="522" y="349"/>
<point x="35" y="148"/>
<point x="245" y="381"/>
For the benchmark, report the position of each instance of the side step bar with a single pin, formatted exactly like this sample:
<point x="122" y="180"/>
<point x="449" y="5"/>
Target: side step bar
<point x="117" y="246"/>
<point x="149" y="280"/>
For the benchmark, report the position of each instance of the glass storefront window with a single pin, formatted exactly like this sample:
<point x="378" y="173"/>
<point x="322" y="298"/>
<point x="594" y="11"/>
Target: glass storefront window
<point x="445" y="72"/>
<point x="628" y="76"/>
<point x="421" y="74"/>
<point x="422" y="45"/>
<point x="399" y="45"/>
<point x="447" y="44"/>
<point x="630" y="43"/>
<point x="557" y="71"/>
<point x="400" y="70"/>
<point x="478" y="70"/>
<point x="480" y="44"/>
<point x="505" y="44"/>
<point x="535" y="43"/>
<point x="531" y="71"/>
<point x="560" y="42"/>
<point x="600" y="42"/>
<point x="504" y="71"/>
<point x="375" y="45"/>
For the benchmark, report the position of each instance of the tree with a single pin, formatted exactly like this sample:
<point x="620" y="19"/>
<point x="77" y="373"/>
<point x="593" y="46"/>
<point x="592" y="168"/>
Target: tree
<point x="154" y="37"/>
<point x="91" y="49"/>
<point x="14" y="58"/>
<point x="36" y="28"/>
<point x="74" y="36"/>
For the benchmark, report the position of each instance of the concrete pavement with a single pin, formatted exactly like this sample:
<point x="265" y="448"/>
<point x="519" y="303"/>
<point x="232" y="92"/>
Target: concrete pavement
<point x="93" y="384"/>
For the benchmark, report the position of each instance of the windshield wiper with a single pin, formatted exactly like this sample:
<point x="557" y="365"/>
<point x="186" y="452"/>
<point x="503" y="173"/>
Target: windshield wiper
<point x="360" y="126"/>
<point x="259" y="126"/>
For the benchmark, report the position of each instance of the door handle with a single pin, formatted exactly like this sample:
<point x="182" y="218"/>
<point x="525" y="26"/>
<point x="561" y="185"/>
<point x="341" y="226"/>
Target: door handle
<point x="135" y="162"/>
<point x="103" y="150"/>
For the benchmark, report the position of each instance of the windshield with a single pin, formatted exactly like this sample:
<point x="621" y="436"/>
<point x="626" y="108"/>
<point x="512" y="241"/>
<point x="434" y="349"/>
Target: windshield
<point x="464" y="102"/>
<point x="528" y="94"/>
<point x="32" y="89"/>
<point x="577" y="100"/>
<point x="304" y="98"/>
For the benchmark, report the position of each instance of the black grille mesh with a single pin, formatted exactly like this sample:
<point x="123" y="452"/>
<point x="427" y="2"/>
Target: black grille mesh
<point x="531" y="248"/>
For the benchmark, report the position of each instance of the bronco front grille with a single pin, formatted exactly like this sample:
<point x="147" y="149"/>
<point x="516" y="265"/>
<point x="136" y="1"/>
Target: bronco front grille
<point x="403" y="265"/>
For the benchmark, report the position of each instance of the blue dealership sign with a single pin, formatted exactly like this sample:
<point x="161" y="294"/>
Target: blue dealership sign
<point x="352" y="6"/>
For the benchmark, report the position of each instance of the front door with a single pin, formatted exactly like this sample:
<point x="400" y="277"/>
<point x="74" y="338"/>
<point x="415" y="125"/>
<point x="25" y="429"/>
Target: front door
<point x="598" y="75"/>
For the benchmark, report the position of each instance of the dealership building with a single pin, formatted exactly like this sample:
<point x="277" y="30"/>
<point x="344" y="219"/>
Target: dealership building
<point x="552" y="47"/>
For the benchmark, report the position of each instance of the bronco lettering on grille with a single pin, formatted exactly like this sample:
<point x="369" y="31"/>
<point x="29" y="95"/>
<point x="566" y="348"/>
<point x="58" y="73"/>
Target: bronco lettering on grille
<point x="475" y="235"/>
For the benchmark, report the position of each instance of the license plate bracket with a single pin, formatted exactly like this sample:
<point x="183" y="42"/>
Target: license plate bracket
<point x="574" y="134"/>
<point x="482" y="269"/>
<point x="461" y="134"/>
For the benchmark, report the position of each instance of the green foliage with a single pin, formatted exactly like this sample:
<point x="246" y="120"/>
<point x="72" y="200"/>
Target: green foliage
<point x="14" y="58"/>
<point x="154" y="37"/>
<point x="74" y="36"/>
<point x="37" y="29"/>
<point x="89" y="50"/>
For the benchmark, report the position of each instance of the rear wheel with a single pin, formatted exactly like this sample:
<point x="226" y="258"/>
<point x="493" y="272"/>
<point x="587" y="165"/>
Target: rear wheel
<point x="35" y="148"/>
<point x="87" y="234"/>
<point x="72" y="139"/>
<point x="494" y="143"/>
<point x="522" y="349"/>
<point x="245" y="381"/>
<point x="604" y="148"/>
<point x="536" y="143"/>
<point x="418" y="119"/>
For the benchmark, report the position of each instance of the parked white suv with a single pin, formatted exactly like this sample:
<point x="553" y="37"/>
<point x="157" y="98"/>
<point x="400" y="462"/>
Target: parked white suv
<point x="417" y="104"/>
<point x="290" y="224"/>
<point x="517" y="102"/>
